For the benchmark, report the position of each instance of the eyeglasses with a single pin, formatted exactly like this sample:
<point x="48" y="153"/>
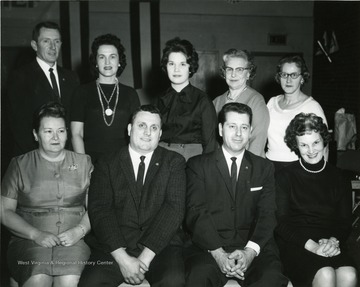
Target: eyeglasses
<point x="286" y="75"/>
<point x="238" y="70"/>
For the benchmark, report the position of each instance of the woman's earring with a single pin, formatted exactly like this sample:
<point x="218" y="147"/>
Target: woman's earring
<point x="119" y="65"/>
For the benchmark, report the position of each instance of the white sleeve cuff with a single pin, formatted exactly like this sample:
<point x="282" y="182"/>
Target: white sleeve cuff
<point x="254" y="246"/>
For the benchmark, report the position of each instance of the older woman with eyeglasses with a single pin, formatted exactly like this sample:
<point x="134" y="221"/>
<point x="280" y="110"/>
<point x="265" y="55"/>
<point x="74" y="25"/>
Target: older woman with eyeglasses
<point x="292" y="74"/>
<point x="237" y="70"/>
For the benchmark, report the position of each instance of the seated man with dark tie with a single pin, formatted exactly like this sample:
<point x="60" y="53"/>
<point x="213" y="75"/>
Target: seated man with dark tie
<point x="136" y="207"/>
<point x="230" y="211"/>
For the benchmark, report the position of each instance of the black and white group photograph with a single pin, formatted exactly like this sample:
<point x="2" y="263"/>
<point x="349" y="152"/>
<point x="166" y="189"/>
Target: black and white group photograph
<point x="180" y="143"/>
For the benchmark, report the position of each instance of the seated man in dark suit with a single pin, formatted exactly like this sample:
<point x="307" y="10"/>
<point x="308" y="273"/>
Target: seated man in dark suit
<point x="37" y="83"/>
<point x="230" y="211"/>
<point x="136" y="206"/>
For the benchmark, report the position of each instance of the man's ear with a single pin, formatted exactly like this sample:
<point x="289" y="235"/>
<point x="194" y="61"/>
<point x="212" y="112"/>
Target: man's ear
<point x="35" y="135"/>
<point x="33" y="45"/>
<point x="129" y="129"/>
<point x="220" y="129"/>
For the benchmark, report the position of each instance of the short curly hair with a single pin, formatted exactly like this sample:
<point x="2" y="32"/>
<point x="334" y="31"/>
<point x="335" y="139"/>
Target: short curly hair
<point x="244" y="54"/>
<point x="50" y="109"/>
<point x="298" y="61"/>
<point x="177" y="45"/>
<point x="300" y="125"/>
<point x="107" y="39"/>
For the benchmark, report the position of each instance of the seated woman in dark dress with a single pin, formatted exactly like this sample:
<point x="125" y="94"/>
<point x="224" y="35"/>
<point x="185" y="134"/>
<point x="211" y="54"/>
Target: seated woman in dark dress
<point x="43" y="195"/>
<point x="314" y="210"/>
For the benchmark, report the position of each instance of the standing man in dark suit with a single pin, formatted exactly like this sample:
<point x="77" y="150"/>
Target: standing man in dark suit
<point x="136" y="211"/>
<point x="37" y="83"/>
<point x="230" y="209"/>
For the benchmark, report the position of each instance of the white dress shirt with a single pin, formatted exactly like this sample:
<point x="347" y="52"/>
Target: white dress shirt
<point x="135" y="159"/>
<point x="229" y="162"/>
<point x="45" y="67"/>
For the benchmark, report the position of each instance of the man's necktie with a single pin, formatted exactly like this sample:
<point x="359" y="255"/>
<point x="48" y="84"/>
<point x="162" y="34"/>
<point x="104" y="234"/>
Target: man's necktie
<point x="140" y="175"/>
<point x="233" y="175"/>
<point x="54" y="85"/>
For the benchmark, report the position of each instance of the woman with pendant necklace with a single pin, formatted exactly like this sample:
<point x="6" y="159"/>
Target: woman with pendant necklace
<point x="292" y="74"/>
<point x="314" y="210"/>
<point x="237" y="70"/>
<point x="101" y="109"/>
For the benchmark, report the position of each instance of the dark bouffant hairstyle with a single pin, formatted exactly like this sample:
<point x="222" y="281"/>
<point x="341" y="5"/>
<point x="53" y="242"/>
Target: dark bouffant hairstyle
<point x="299" y="62"/>
<point x="146" y="108"/>
<point x="300" y="125"/>
<point x="51" y="109"/>
<point x="48" y="25"/>
<point x="244" y="54"/>
<point x="184" y="46"/>
<point x="107" y="39"/>
<point x="234" y="107"/>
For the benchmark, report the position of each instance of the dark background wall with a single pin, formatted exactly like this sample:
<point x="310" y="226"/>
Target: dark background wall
<point x="337" y="85"/>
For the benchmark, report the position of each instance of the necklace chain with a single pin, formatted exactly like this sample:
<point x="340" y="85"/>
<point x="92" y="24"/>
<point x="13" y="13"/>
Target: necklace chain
<point x="101" y="95"/>
<point x="233" y="99"/>
<point x="312" y="171"/>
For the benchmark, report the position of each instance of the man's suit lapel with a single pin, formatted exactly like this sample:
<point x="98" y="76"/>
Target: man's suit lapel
<point x="224" y="170"/>
<point x="153" y="168"/>
<point x="128" y="170"/>
<point x="64" y="87"/>
<point x="243" y="183"/>
<point x="43" y="86"/>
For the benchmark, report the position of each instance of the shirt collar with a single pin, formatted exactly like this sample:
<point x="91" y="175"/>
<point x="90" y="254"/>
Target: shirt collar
<point x="184" y="95"/>
<point x="228" y="157"/>
<point x="45" y="66"/>
<point x="135" y="156"/>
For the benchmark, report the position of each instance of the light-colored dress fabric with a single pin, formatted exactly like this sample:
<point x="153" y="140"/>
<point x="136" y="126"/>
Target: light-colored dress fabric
<point x="51" y="197"/>
<point x="279" y="121"/>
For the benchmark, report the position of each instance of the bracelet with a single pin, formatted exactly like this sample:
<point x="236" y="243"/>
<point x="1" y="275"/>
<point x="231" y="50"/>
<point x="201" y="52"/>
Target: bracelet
<point x="82" y="229"/>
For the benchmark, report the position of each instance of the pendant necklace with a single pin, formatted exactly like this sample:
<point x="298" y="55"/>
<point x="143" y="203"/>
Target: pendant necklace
<point x="312" y="171"/>
<point x="108" y="112"/>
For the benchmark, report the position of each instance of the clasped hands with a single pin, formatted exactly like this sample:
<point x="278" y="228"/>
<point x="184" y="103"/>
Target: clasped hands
<point x="132" y="268"/>
<point x="66" y="238"/>
<point x="324" y="247"/>
<point x="234" y="264"/>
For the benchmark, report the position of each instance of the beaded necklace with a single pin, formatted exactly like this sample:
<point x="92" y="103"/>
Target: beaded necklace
<point x="312" y="171"/>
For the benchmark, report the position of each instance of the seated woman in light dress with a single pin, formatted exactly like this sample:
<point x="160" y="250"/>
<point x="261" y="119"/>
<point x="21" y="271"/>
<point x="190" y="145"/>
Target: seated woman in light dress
<point x="43" y="205"/>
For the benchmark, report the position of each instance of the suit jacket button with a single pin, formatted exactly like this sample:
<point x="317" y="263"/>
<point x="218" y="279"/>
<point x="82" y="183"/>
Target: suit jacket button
<point x="232" y="208"/>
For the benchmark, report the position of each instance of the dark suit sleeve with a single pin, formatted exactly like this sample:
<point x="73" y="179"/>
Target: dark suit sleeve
<point x="198" y="218"/>
<point x="101" y="210"/>
<point x="209" y="123"/>
<point x="167" y="221"/>
<point x="265" y="220"/>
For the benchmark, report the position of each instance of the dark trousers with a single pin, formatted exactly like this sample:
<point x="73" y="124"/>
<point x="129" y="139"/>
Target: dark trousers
<point x="166" y="270"/>
<point x="202" y="270"/>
